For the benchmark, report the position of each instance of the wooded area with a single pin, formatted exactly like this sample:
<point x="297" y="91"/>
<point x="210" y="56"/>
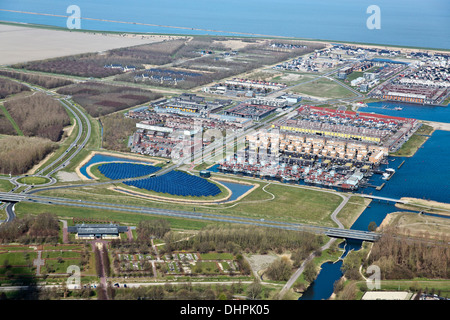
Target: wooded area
<point x="31" y="229"/>
<point x="239" y="239"/>
<point x="6" y="127"/>
<point x="405" y="259"/>
<point x="39" y="115"/>
<point x="116" y="130"/>
<point x="9" y="87"/>
<point x="20" y="154"/>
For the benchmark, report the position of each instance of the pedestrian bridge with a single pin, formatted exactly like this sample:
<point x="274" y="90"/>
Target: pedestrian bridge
<point x="383" y="198"/>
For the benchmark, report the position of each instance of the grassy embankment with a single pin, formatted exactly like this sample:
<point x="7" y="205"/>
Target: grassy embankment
<point x="411" y="146"/>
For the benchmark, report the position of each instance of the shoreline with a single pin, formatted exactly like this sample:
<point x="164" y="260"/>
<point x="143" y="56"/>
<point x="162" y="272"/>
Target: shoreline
<point x="442" y="208"/>
<point x="237" y="34"/>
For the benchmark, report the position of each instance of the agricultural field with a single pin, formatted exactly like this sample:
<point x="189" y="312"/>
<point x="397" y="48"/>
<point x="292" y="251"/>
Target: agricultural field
<point x="100" y="99"/>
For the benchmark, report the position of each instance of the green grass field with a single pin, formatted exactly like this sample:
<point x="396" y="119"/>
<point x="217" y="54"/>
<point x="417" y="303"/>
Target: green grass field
<point x="33" y="180"/>
<point x="323" y="88"/>
<point x="5" y="185"/>
<point x="276" y="202"/>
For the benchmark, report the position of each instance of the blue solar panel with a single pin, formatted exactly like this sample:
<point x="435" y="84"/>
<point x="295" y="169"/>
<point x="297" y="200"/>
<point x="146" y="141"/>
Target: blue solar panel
<point x="177" y="183"/>
<point x="116" y="171"/>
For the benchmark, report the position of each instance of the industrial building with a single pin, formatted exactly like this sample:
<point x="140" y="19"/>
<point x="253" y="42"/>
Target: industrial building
<point x="188" y="104"/>
<point x="250" y="110"/>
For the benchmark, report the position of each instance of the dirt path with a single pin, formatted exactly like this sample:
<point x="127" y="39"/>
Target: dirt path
<point x="103" y="279"/>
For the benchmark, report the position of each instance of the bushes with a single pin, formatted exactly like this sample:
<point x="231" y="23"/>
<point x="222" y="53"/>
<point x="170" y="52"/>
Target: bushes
<point x="39" y="116"/>
<point x="280" y="270"/>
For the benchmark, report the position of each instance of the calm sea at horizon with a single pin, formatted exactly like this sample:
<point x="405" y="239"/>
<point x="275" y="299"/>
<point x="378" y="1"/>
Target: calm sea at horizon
<point x="404" y="23"/>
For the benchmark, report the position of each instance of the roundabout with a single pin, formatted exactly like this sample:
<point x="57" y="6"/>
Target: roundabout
<point x="33" y="180"/>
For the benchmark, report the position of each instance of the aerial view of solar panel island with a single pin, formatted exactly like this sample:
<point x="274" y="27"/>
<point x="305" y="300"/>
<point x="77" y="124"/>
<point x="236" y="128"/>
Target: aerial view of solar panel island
<point x="203" y="151"/>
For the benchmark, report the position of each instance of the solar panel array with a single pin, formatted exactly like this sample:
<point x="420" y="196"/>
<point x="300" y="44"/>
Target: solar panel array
<point x="178" y="183"/>
<point x="117" y="170"/>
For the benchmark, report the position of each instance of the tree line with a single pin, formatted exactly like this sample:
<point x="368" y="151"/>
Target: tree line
<point x="47" y="82"/>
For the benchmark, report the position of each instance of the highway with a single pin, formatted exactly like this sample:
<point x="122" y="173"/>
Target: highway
<point x="333" y="232"/>
<point x="76" y="145"/>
